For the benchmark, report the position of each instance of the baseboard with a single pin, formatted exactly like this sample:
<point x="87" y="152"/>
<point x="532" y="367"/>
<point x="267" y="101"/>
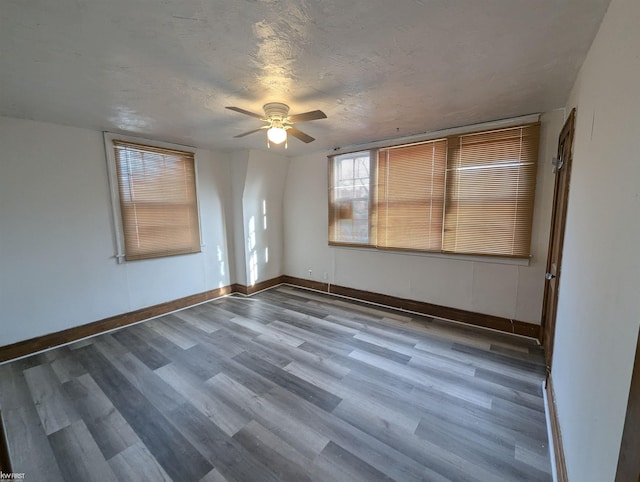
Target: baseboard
<point x="34" y="345"/>
<point x="5" y="461"/>
<point x="558" y="464"/>
<point x="455" y="314"/>
<point x="263" y="285"/>
<point x="306" y="283"/>
<point x="238" y="288"/>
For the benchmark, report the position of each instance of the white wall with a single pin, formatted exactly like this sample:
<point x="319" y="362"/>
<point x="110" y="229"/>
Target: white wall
<point x="262" y="215"/>
<point x="239" y="164"/>
<point x="599" y="302"/>
<point x="57" y="240"/>
<point x="258" y="180"/>
<point x="501" y="288"/>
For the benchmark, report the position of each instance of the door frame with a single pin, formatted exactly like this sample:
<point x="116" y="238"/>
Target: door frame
<point x="629" y="456"/>
<point x="558" y="221"/>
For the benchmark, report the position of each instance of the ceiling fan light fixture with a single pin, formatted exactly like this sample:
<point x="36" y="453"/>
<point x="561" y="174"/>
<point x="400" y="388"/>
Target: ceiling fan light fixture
<point x="280" y="123"/>
<point x="277" y="135"/>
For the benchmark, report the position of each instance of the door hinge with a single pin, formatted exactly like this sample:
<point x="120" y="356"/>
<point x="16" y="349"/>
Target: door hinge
<point x="557" y="164"/>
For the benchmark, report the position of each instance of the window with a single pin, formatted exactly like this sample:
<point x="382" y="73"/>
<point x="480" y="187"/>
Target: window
<point x="158" y="205"/>
<point x="469" y="194"/>
<point x="350" y="198"/>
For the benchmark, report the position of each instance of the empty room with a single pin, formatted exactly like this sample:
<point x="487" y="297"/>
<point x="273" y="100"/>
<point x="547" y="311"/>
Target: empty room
<point x="285" y="240"/>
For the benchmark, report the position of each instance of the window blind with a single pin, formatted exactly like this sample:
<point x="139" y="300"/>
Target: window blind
<point x="158" y="201"/>
<point x="410" y="195"/>
<point x="490" y="187"/>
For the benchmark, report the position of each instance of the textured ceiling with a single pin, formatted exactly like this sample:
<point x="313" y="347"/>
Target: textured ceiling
<point x="378" y="68"/>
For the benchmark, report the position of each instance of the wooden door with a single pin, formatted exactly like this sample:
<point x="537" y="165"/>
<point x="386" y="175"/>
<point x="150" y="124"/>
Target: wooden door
<point x="562" y="165"/>
<point x="629" y="458"/>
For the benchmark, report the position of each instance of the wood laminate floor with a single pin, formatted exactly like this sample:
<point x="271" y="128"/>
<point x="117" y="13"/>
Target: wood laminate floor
<point x="285" y="385"/>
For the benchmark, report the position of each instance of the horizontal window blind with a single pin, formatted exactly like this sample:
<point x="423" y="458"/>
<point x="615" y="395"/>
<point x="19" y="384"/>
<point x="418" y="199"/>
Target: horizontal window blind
<point x="410" y="195"/>
<point x="466" y="194"/>
<point x="157" y="200"/>
<point x="490" y="187"/>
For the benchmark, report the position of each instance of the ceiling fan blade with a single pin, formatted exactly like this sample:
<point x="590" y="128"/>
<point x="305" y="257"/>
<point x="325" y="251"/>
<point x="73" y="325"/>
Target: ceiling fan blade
<point x="246" y="112"/>
<point x="307" y="116"/>
<point x="298" y="134"/>
<point x="251" y="132"/>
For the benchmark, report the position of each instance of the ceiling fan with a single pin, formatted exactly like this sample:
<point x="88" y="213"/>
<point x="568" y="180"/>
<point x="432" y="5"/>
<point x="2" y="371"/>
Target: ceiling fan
<point x="280" y="123"/>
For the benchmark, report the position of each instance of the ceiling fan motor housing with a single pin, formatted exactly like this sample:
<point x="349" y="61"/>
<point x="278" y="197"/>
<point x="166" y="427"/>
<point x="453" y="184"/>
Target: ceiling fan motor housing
<point x="276" y="111"/>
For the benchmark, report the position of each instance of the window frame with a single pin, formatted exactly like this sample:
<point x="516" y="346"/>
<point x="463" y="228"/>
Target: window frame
<point x="522" y="122"/>
<point x="114" y="191"/>
<point x="373" y="179"/>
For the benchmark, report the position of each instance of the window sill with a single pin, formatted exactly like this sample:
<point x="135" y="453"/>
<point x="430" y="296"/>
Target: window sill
<point x="432" y="254"/>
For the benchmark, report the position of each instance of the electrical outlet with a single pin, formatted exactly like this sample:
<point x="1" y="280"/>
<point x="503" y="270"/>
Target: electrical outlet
<point x="310" y="273"/>
<point x="325" y="276"/>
